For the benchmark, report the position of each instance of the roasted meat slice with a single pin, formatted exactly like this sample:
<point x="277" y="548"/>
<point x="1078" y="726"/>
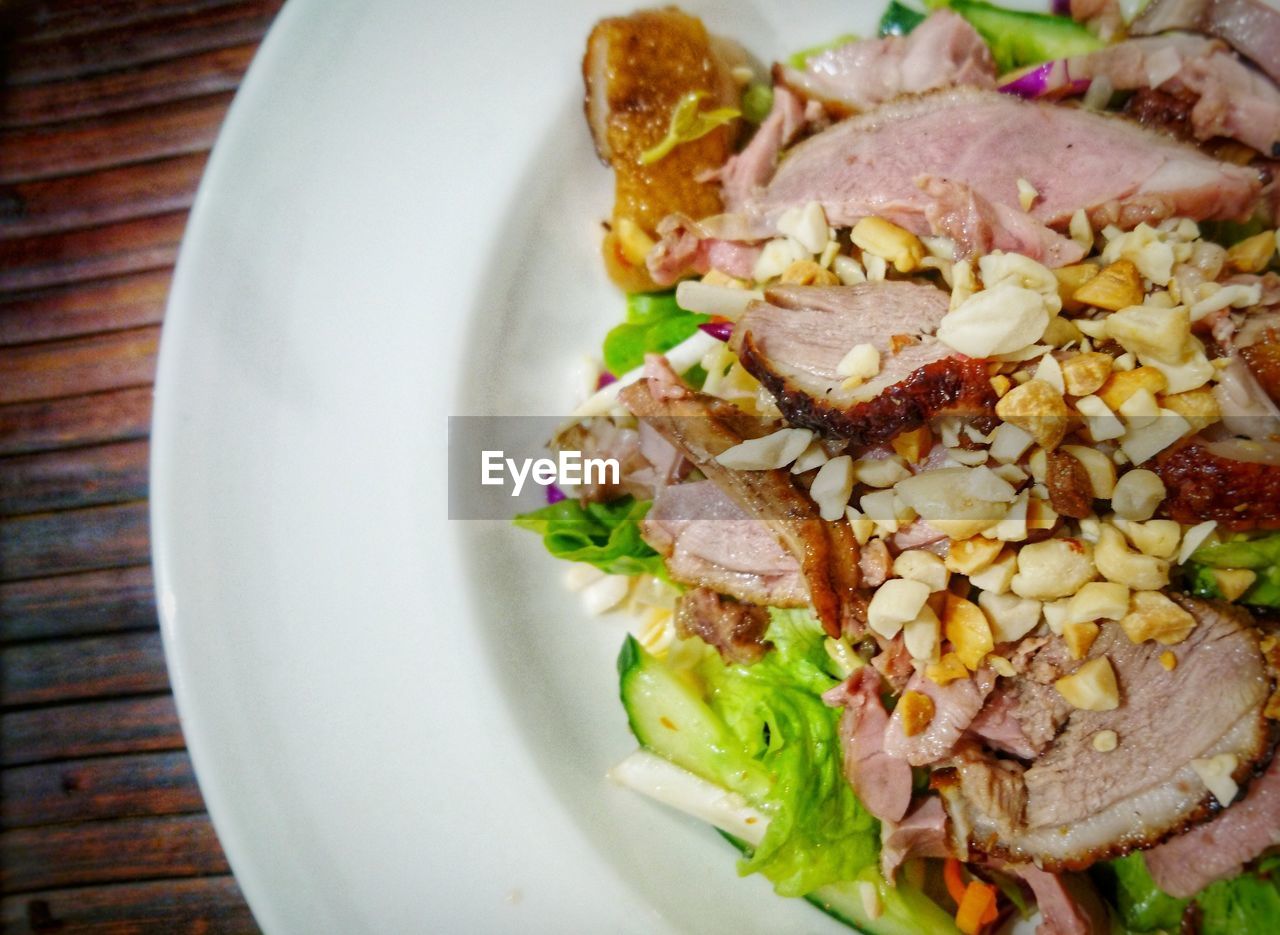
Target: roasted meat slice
<point x="1227" y="98"/>
<point x="734" y="630"/>
<point x="942" y="52"/>
<point x="702" y="427"/>
<point x="705" y="538"/>
<point x="1235" y="482"/>
<point x="874" y="164"/>
<point x="793" y="343"/>
<point x="1251" y="26"/>
<point x="636" y="69"/>
<point x="882" y="781"/>
<point x="1074" y="804"/>
<point x="955" y="705"/>
<point x="1219" y="849"/>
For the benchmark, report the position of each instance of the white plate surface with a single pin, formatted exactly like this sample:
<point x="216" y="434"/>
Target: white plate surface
<point x="402" y="724"/>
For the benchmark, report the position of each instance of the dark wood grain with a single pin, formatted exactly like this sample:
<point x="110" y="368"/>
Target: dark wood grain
<point x="93" y="418"/>
<point x="85" y="308"/>
<point x="52" y="369"/>
<point x="108" y="851"/>
<point x="164" y="36"/>
<point x="107" y="112"/>
<point x="74" y="540"/>
<point x="208" y="905"/>
<point x="91" y="667"/>
<point x="97" y="198"/>
<point x="93" y="253"/>
<point x="57" y="480"/>
<point x="179" y="128"/>
<point x="89" y="728"/>
<point x="102" y="788"/>
<point x="83" y="604"/>
<point x="161" y="82"/>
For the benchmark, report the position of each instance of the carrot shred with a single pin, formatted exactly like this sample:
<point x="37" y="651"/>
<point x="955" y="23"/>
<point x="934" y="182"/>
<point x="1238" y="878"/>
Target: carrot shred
<point x="977" y="903"/>
<point x="952" y="875"/>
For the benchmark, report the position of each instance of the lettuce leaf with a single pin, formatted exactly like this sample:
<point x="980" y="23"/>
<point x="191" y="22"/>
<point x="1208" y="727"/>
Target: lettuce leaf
<point x="655" y="324"/>
<point x="819" y="833"/>
<point x="1260" y="554"/>
<point x="606" y="535"/>
<point x="1247" y="903"/>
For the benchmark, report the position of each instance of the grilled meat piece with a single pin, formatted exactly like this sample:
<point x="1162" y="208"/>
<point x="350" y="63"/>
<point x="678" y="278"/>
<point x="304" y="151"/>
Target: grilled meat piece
<point x="1073" y="804"/>
<point x="882" y="781"/>
<point x="1235" y="482"/>
<point x="794" y="341"/>
<point x="1252" y="27"/>
<point x="706" y="539"/>
<point x="734" y="630"/>
<point x="702" y="427"/>
<point x="942" y="52"/>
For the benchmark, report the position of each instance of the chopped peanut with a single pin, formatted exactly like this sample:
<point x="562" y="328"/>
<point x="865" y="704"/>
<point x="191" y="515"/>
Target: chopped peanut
<point x="1038" y="409"/>
<point x="1070" y="279"/>
<point x="1156" y="617"/>
<point x="1085" y="373"/>
<point x="946" y="670"/>
<point x="1168" y="660"/>
<point x="971" y="555"/>
<point x="885" y="239"/>
<point x="1233" y="582"/>
<point x="917" y="711"/>
<point x="1124" y="383"/>
<point x="1079" y="637"/>
<point x="1104" y="741"/>
<point x="966" y="626"/>
<point x="1115" y="287"/>
<point x="1001" y="384"/>
<point x="913" y="446"/>
<point x="1252" y="254"/>
<point x="1199" y="407"/>
<point x="1092" y="687"/>
<point x="809" y="273"/>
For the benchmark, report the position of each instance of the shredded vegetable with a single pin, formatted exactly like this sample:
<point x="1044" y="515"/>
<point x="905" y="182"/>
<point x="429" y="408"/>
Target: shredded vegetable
<point x="689" y="124"/>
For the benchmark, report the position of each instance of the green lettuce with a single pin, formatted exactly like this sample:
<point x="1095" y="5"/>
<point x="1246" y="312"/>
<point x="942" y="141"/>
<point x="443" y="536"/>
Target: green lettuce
<point x="1247" y="903"/>
<point x="1259" y="554"/>
<point x="606" y="535"/>
<point x="819" y="833"/>
<point x="654" y="325"/>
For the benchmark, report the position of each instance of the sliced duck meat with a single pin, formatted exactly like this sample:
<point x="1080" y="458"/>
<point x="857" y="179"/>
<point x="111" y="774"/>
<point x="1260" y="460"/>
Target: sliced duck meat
<point x="687" y="248"/>
<point x="1219" y="849"/>
<point x="997" y="726"/>
<point x="646" y="461"/>
<point x="752" y="168"/>
<point x="734" y="630"/>
<point x="1120" y="174"/>
<point x="942" y="52"/>
<point x="1074" y="804"/>
<point x="955" y="705"/>
<point x="702" y="428"/>
<point x="1226" y="97"/>
<point x="793" y="343"/>
<point x="706" y="539"/>
<point x="1251" y="26"/>
<point x="882" y="782"/>
<point x="1068" y="904"/>
<point x="922" y="833"/>
<point x="1234" y="481"/>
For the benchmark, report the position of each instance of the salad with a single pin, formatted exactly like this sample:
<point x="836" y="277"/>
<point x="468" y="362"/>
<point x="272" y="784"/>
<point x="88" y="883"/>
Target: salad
<point x="946" y="501"/>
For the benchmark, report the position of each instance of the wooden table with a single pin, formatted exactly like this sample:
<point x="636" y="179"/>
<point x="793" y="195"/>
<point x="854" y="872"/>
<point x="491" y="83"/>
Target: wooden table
<point x="108" y="109"/>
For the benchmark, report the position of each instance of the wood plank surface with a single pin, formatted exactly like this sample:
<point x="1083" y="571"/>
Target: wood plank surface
<point x="108" y="109"/>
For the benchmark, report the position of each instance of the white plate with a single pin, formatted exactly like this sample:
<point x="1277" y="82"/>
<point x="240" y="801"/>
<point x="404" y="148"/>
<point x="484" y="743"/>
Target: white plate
<point x="402" y="724"/>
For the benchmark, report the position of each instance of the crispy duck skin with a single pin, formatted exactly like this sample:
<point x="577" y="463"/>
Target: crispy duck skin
<point x="702" y="427"/>
<point x="1202" y="485"/>
<point x="952" y="385"/>
<point x="636" y="68"/>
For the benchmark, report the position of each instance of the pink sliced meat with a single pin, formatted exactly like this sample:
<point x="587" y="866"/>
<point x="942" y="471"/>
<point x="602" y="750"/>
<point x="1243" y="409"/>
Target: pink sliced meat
<point x="881" y="781"/>
<point x="1219" y="849"/>
<point x="752" y="168"/>
<point x="955" y="705"/>
<point x="1067" y="904"/>
<point x="942" y="52"/>
<point x="1120" y="173"/>
<point x="1251" y="26"/>
<point x="923" y="833"/>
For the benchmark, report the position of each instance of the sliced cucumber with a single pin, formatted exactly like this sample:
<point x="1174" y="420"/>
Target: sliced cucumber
<point x="1019" y="37"/>
<point x="669" y="717"/>
<point x="899" y="19"/>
